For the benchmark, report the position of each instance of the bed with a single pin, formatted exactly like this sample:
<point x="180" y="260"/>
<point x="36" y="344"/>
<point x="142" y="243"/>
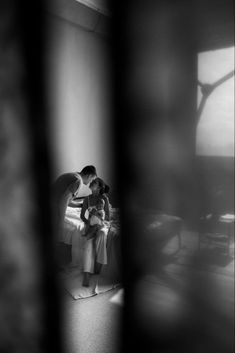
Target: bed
<point x="157" y="229"/>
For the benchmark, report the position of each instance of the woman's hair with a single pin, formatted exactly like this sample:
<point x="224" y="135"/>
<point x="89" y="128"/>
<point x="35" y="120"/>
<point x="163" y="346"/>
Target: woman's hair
<point x="104" y="189"/>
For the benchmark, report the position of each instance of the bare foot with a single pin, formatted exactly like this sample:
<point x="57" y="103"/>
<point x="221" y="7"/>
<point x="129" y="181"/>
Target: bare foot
<point x="86" y="278"/>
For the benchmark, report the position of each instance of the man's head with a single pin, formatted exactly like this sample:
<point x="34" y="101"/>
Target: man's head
<point x="88" y="174"/>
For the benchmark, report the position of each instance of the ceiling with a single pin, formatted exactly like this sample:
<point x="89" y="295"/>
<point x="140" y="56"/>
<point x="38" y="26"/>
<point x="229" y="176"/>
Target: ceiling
<point x="213" y="20"/>
<point x="98" y="5"/>
<point x="92" y="15"/>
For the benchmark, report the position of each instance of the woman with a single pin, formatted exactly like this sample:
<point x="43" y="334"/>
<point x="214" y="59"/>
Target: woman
<point x="95" y="252"/>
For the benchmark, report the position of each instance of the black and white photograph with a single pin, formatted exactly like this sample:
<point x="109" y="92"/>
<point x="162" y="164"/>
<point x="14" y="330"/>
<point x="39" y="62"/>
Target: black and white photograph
<point x="117" y="176"/>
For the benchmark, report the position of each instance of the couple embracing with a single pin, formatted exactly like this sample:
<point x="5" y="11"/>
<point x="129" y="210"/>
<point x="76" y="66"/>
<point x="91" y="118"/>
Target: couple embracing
<point x="95" y="214"/>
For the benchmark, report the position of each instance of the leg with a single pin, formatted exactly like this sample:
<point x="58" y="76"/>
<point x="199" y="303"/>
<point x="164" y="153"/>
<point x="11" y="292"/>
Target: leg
<point x="101" y="246"/>
<point x="98" y="267"/>
<point x="88" y="262"/>
<point x="89" y="256"/>
<point x="86" y="278"/>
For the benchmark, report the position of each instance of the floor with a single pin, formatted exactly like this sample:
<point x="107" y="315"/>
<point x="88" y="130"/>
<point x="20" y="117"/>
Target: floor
<point x="195" y="286"/>
<point x="191" y="298"/>
<point x="92" y="325"/>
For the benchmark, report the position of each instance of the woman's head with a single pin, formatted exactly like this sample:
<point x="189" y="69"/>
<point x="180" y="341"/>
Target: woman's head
<point x="98" y="186"/>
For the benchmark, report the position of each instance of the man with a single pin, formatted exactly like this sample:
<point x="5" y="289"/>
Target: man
<point x="65" y="189"/>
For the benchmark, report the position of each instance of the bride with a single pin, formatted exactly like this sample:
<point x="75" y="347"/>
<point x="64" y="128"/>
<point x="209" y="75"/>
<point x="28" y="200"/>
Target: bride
<point x="95" y="250"/>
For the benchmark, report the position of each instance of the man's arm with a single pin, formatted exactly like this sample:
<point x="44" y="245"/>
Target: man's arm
<point x="83" y="211"/>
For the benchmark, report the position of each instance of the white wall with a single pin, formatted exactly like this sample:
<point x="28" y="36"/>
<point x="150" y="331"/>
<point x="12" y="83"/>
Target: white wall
<point x="79" y="99"/>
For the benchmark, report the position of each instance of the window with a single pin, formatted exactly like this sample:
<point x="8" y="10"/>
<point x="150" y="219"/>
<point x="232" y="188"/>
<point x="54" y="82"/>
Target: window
<point x="215" y="131"/>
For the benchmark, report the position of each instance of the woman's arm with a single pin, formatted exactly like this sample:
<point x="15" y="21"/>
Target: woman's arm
<point x="83" y="211"/>
<point x="106" y="208"/>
